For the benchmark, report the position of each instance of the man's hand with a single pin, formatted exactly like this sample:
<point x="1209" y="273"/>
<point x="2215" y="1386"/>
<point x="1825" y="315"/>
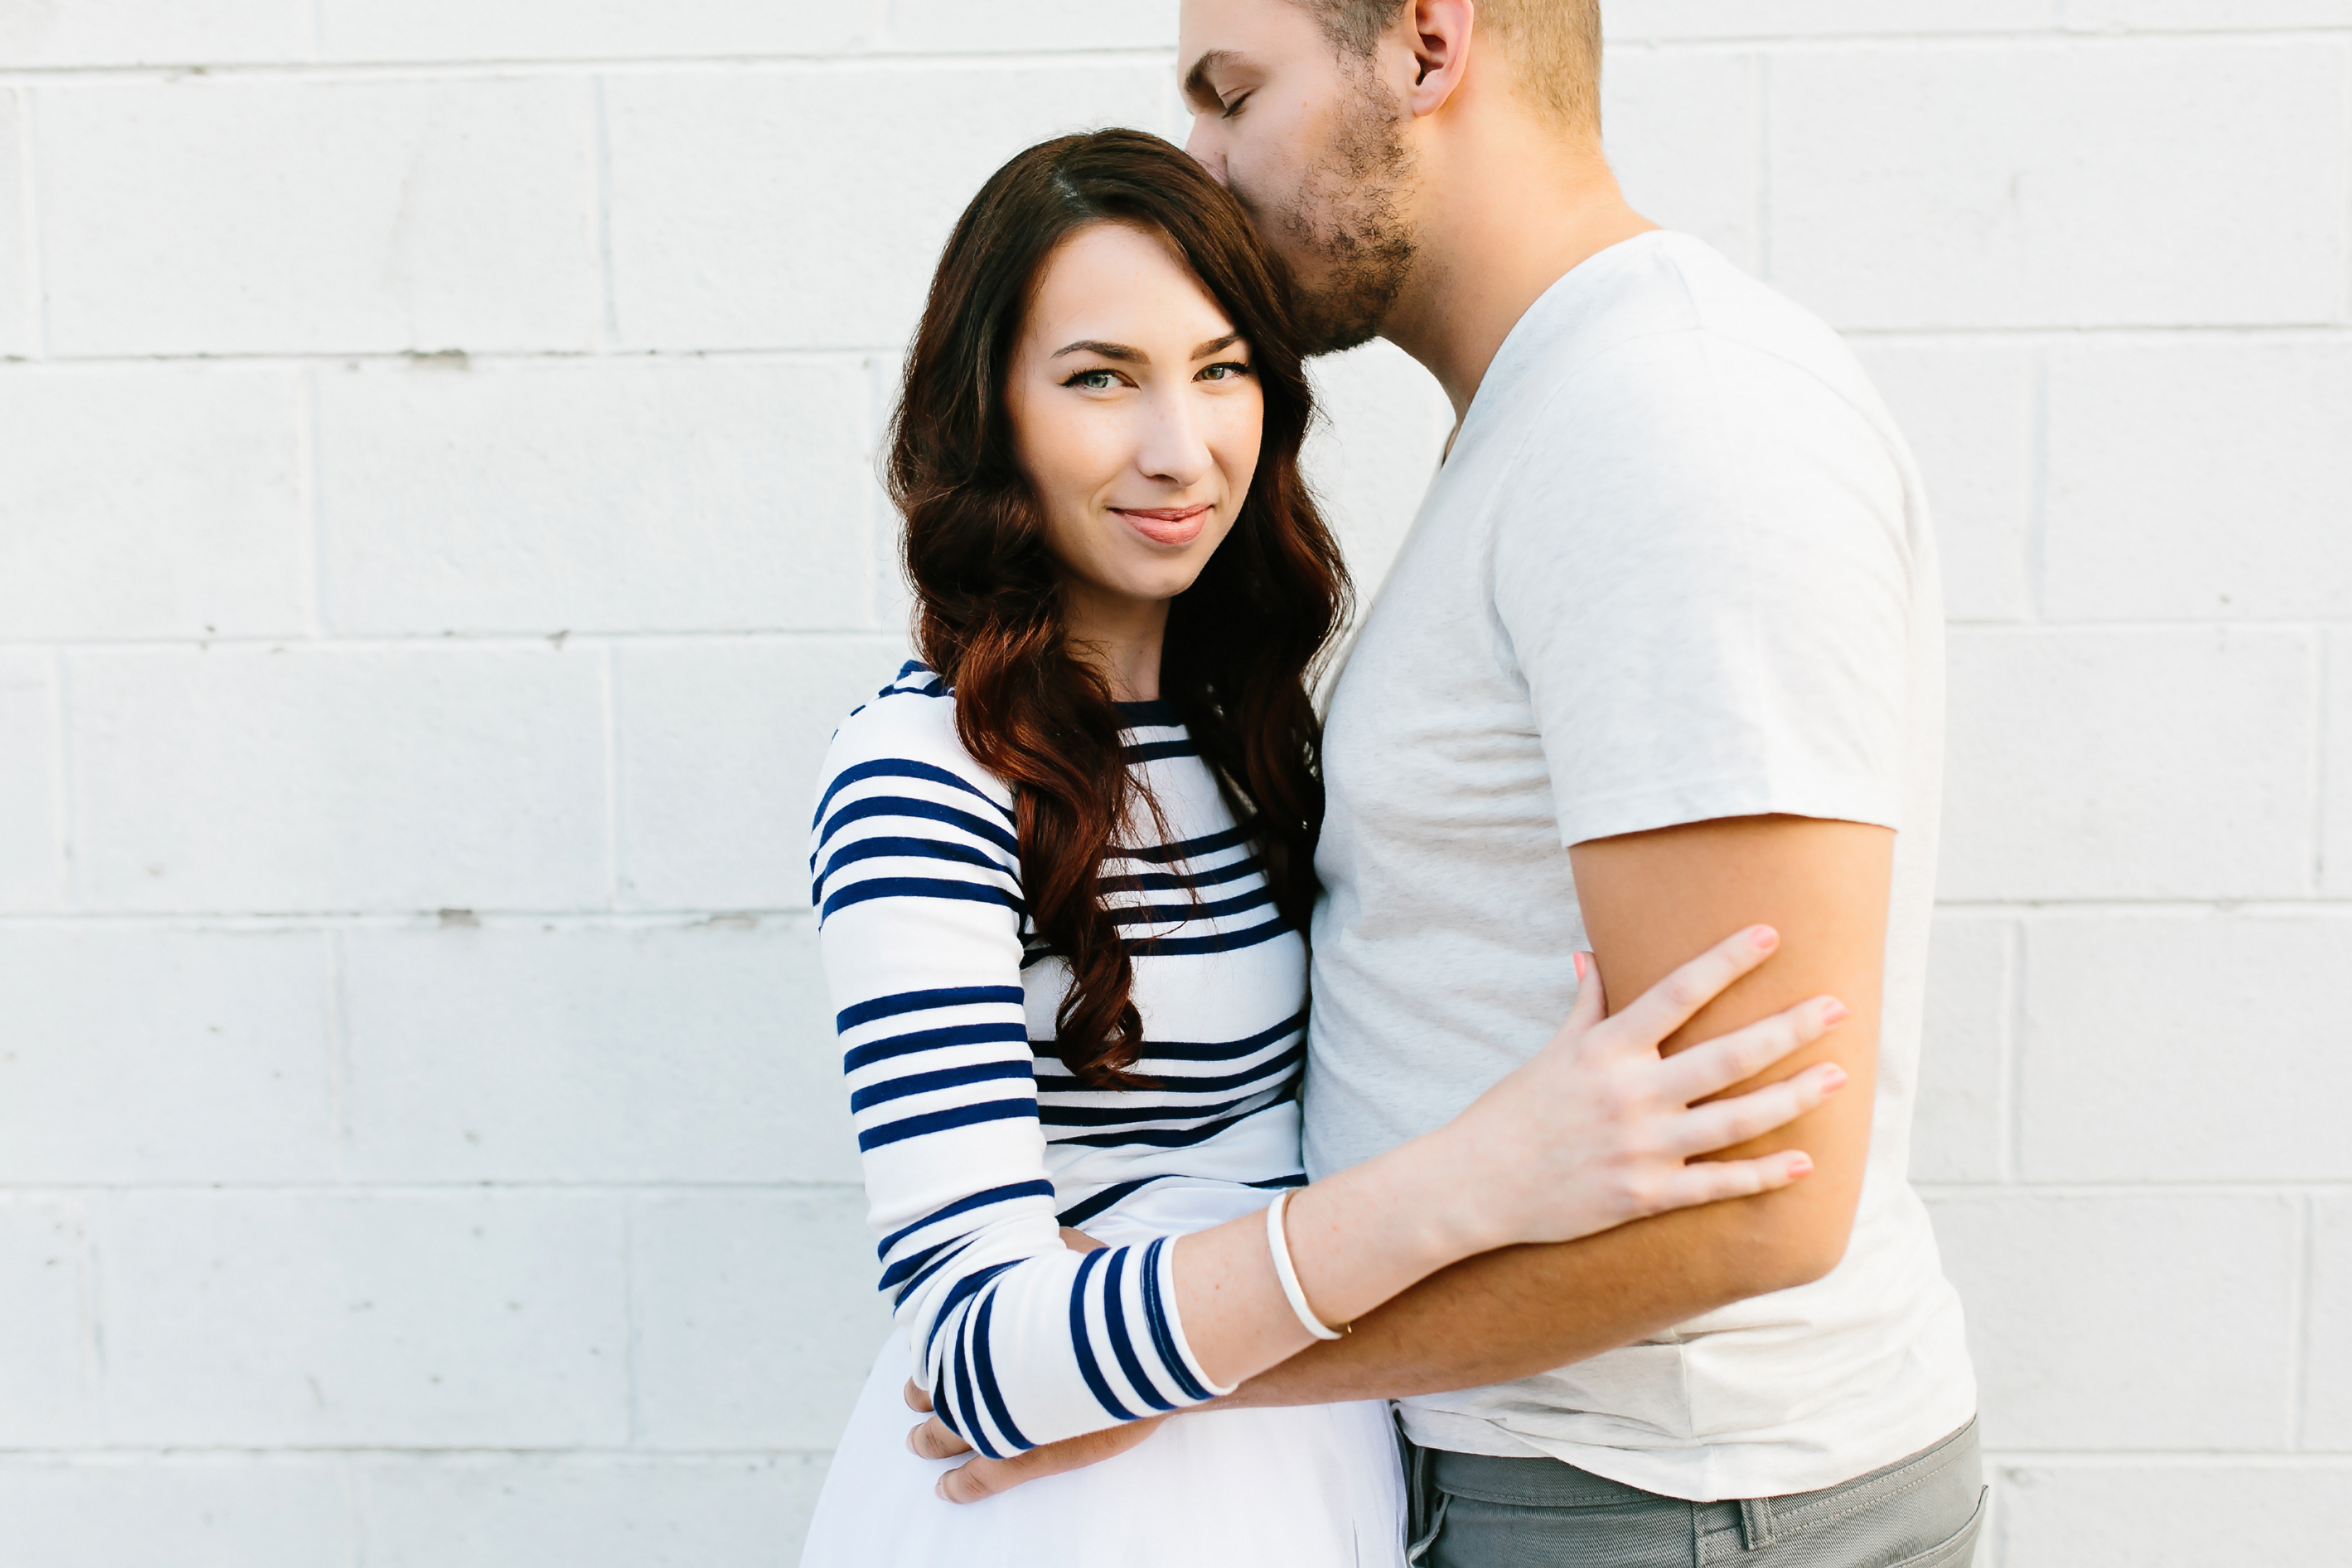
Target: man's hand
<point x="977" y="1478"/>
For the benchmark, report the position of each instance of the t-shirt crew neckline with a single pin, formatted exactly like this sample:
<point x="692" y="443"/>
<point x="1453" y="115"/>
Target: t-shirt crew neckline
<point x="1522" y="346"/>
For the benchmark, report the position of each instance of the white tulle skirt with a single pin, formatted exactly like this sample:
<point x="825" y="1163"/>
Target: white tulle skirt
<point x="1315" y="1487"/>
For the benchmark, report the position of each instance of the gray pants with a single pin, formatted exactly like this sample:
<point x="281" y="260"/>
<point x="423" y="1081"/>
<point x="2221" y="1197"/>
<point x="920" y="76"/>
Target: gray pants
<point x="1470" y="1510"/>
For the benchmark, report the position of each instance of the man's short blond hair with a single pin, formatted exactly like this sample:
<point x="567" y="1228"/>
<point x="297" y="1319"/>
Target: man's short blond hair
<point x="1554" y="44"/>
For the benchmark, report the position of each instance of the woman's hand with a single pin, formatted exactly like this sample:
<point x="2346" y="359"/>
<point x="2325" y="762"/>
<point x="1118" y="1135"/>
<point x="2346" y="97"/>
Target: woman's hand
<point x="1598" y="1128"/>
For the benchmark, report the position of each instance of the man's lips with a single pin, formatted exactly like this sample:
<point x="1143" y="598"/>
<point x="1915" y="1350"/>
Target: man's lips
<point x="1167" y="525"/>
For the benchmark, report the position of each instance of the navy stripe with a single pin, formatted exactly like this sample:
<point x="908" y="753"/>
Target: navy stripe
<point x="1183" y="914"/>
<point x="942" y="1121"/>
<point x="899" y="768"/>
<point x="1176" y="881"/>
<point x="1082" y="1343"/>
<point x="1078" y="1213"/>
<point x="1153" y="750"/>
<point x="1297" y="1178"/>
<point x="932" y="1040"/>
<point x="1155" y="1312"/>
<point x="1163" y="1084"/>
<point x="962" y="1289"/>
<point x="1157" y="713"/>
<point x="849" y="1018"/>
<point x="1129" y="1115"/>
<point x="1123" y="1348"/>
<point x="906" y="848"/>
<point x="916" y="887"/>
<point x="1216" y="942"/>
<point x="943" y="1078"/>
<point x="1185" y="848"/>
<point x="923" y="810"/>
<point x="974" y="1433"/>
<point x="934" y="1267"/>
<point x="1202" y="1051"/>
<point x="987" y="1369"/>
<point x="1169" y="1137"/>
<point x="1044" y="1189"/>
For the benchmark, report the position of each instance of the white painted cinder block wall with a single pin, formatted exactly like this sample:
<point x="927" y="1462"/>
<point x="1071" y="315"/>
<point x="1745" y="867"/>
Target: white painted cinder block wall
<point x="437" y="533"/>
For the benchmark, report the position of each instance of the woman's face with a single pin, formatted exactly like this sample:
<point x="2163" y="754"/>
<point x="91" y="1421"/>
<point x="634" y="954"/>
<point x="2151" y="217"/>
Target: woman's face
<point x="1136" y="415"/>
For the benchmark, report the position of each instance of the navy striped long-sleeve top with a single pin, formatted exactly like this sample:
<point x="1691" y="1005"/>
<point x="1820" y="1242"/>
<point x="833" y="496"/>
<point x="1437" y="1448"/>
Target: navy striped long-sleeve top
<point x="977" y="1144"/>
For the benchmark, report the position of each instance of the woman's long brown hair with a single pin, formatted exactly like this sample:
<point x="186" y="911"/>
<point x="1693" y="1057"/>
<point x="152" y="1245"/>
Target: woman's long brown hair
<point x="1241" y="642"/>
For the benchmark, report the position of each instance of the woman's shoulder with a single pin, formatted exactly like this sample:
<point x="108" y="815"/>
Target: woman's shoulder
<point x="907" y="730"/>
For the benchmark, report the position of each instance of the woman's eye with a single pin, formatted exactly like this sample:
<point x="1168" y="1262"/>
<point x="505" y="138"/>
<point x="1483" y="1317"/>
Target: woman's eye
<point x="1094" y="380"/>
<point x="1224" y="370"/>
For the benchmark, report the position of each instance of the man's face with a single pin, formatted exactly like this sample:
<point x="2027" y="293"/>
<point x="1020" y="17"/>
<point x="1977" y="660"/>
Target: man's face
<point x="1313" y="145"/>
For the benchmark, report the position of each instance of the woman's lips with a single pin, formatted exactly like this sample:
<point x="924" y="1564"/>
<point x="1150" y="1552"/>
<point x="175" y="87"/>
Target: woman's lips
<point x="1167" y="525"/>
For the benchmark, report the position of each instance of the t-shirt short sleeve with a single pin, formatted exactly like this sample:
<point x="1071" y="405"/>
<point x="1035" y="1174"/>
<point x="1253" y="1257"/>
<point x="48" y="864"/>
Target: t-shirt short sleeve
<point x="1701" y="570"/>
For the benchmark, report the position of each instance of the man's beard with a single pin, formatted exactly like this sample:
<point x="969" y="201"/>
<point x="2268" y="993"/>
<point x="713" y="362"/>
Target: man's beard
<point x="1348" y="229"/>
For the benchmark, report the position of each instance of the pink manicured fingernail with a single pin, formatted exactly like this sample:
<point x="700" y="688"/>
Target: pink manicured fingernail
<point x="1835" y="1013"/>
<point x="1579" y="969"/>
<point x="1833" y="1077"/>
<point x="939" y="1490"/>
<point x="1800" y="1165"/>
<point x="1765" y="938"/>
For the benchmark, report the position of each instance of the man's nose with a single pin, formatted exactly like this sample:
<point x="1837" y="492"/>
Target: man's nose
<point x="1201" y="147"/>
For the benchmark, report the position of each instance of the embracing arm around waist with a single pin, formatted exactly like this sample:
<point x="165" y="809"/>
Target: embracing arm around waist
<point x="1649" y="901"/>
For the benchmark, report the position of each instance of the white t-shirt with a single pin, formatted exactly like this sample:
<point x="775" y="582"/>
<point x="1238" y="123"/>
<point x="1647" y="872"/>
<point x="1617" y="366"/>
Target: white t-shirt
<point x="1676" y="567"/>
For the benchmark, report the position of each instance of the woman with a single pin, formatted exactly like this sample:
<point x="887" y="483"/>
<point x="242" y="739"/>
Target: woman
<point x="1062" y="866"/>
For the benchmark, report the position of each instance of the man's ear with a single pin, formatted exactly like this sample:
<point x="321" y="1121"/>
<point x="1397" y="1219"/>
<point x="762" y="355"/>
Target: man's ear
<point x="1441" y="50"/>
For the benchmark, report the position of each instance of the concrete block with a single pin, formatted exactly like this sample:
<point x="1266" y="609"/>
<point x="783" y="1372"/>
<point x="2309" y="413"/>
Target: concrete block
<point x="958" y="26"/>
<point x="2189" y="1512"/>
<point x="743" y="211"/>
<point x="1666" y="20"/>
<point x="1968" y="411"/>
<point x="2201" y="481"/>
<point x="152" y="32"/>
<point x="2068" y="776"/>
<point x="595" y="496"/>
<point x="2327" y="1330"/>
<point x="2336" y="800"/>
<point x="1373" y="452"/>
<point x="2125" y="1321"/>
<point x="422" y="1320"/>
<point x="210" y="1511"/>
<point x="2206" y="15"/>
<point x="2197" y="1049"/>
<point x="1956" y="1127"/>
<point x="590" y="29"/>
<point x="497" y="1511"/>
<point x="1684" y="131"/>
<point x="48" y="1393"/>
<point x="259" y="215"/>
<point x="504" y="1053"/>
<point x="2041" y="184"/>
<point x="19" y="328"/>
<point x="721" y="747"/>
<point x="32" y="849"/>
<point x="417" y="778"/>
<point x="757" y="1319"/>
<point x="152" y="503"/>
<point x="136" y="1054"/>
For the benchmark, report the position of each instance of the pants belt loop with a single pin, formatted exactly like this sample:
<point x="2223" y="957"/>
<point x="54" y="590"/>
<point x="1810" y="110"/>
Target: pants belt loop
<point x="1756" y="1522"/>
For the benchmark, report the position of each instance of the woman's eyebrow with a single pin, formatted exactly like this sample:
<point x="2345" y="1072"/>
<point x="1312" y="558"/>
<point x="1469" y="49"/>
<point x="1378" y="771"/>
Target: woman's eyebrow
<point x="1107" y="351"/>
<point x="1216" y="345"/>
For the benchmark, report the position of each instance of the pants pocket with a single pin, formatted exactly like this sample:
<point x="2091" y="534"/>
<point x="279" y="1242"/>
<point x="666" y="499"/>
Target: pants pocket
<point x="1955" y="1552"/>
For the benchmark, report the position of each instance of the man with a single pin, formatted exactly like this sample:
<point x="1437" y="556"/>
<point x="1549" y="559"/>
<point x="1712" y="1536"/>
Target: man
<point x="1660" y="658"/>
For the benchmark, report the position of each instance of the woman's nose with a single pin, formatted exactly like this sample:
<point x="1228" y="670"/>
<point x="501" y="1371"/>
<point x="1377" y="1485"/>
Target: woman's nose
<point x="1174" y="449"/>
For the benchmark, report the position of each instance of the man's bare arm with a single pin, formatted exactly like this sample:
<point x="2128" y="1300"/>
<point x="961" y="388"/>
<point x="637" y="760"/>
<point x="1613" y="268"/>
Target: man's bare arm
<point x="1652" y="900"/>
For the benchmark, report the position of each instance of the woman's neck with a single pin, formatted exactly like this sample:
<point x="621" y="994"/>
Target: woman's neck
<point x="1120" y="637"/>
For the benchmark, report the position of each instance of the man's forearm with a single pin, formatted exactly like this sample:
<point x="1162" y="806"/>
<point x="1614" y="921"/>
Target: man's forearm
<point x="1525" y="1310"/>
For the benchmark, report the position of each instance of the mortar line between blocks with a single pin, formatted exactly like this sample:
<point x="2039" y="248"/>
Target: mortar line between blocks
<point x="2298" y="1320"/>
<point x="28" y="204"/>
<point x="1764" y="165"/>
<point x="311" y="481"/>
<point x="2013" y="1057"/>
<point x="363" y="72"/>
<point x="611" y="658"/>
<point x="338" y="1065"/>
<point x="601" y="186"/>
<point x="2037" y="489"/>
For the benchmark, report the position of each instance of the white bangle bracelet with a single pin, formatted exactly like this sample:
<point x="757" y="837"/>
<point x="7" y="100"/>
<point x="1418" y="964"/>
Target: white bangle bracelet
<point x="1279" y="1245"/>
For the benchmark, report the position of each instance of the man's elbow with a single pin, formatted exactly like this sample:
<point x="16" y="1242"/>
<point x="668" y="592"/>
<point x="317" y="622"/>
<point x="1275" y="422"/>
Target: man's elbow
<point x="1792" y="1244"/>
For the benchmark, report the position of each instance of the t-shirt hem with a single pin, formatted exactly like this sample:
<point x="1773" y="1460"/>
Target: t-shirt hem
<point x="1705" y="1472"/>
<point x="1840" y="798"/>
